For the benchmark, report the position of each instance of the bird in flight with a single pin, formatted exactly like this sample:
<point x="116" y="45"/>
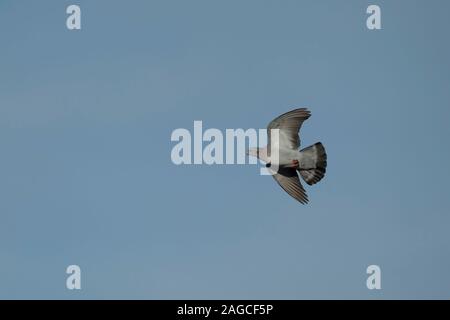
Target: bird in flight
<point x="310" y="162"/>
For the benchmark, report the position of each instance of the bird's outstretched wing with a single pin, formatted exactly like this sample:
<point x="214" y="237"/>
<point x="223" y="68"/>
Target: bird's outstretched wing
<point x="288" y="179"/>
<point x="289" y="124"/>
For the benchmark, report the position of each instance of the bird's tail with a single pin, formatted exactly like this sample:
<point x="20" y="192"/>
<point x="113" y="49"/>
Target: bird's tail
<point x="315" y="163"/>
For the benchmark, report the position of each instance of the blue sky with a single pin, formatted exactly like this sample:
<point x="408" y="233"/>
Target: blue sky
<point x="86" y="176"/>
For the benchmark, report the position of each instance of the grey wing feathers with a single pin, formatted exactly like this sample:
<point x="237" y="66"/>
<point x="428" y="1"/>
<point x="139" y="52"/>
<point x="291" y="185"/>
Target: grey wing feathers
<point x="289" y="124"/>
<point x="288" y="179"/>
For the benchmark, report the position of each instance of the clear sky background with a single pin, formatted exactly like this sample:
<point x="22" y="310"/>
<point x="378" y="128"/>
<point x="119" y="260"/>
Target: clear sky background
<point x="86" y="176"/>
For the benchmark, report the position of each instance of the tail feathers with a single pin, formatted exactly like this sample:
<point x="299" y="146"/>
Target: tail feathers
<point x="316" y="163"/>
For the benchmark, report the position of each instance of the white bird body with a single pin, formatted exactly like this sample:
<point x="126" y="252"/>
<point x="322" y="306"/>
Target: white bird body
<point x="310" y="162"/>
<point x="285" y="157"/>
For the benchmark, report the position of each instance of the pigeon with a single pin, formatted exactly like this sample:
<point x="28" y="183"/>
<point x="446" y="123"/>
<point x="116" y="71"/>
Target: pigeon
<point x="310" y="162"/>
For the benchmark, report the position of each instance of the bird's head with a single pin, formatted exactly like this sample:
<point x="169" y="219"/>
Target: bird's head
<point x="254" y="152"/>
